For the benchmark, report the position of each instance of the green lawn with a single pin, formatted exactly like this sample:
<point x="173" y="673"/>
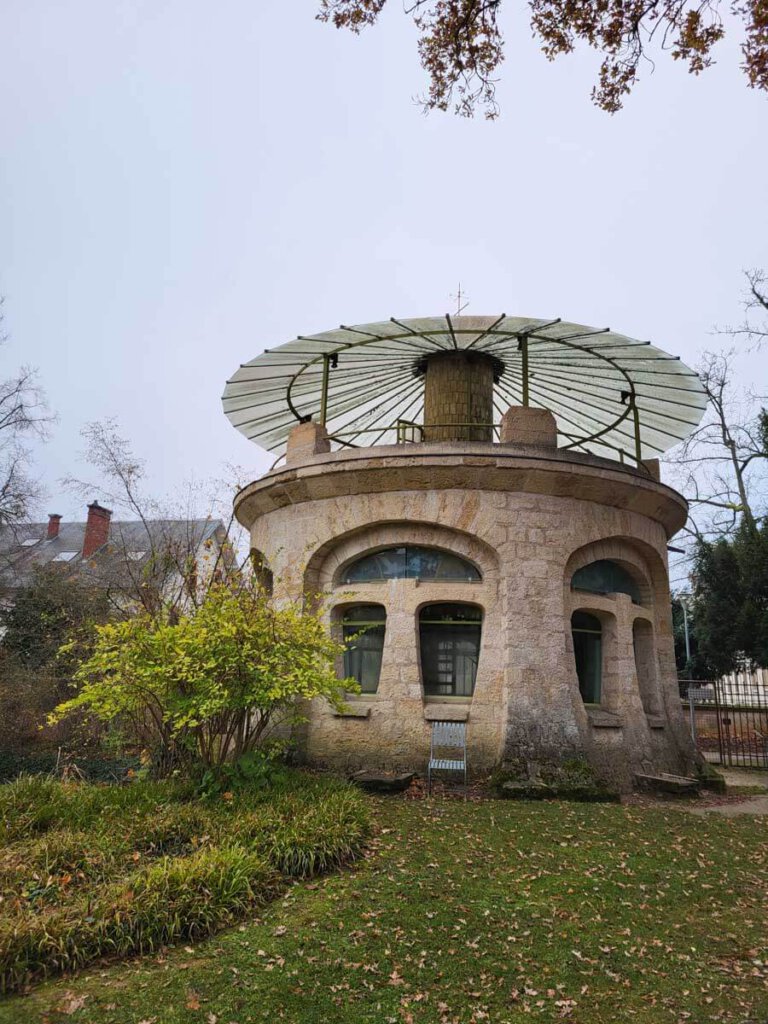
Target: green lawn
<point x="471" y="912"/>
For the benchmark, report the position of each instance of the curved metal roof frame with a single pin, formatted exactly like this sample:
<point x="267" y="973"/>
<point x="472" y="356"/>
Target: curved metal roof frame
<point x="611" y="395"/>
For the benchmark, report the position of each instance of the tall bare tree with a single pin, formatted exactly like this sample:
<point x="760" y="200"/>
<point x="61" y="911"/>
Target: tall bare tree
<point x="722" y="467"/>
<point x="461" y="44"/>
<point x="179" y="559"/>
<point x="24" y="416"/>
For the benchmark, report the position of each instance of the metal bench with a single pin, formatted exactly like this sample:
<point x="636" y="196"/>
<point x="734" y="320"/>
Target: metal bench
<point x="448" y="750"/>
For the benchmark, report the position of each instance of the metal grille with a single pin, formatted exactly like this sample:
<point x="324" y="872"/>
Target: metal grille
<point x="729" y="718"/>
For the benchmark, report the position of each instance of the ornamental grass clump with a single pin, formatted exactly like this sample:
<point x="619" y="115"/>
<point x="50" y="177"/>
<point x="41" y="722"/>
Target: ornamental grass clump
<point x="321" y="838"/>
<point x="145" y="865"/>
<point x="174" y="898"/>
<point x="33" y="804"/>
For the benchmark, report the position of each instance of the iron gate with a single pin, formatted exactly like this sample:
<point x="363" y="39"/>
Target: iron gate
<point x="729" y="718"/>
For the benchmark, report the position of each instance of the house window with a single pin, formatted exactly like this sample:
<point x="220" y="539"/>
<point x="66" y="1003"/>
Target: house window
<point x="449" y="640"/>
<point x="410" y="562"/>
<point x="605" y="577"/>
<point x="363" y="627"/>
<point x="588" y="651"/>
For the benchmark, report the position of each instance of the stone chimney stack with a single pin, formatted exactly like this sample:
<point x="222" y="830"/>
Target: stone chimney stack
<point x="96" y="528"/>
<point x="458" y="395"/>
<point x="53" y="526"/>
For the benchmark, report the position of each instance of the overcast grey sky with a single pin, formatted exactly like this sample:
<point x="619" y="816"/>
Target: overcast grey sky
<point x="185" y="183"/>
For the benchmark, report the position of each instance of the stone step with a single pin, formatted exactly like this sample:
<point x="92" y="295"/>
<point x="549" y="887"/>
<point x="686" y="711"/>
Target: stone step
<point x="663" y="782"/>
<point x="383" y="782"/>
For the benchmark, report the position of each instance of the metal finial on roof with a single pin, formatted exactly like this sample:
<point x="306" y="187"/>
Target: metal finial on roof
<point x="460" y="306"/>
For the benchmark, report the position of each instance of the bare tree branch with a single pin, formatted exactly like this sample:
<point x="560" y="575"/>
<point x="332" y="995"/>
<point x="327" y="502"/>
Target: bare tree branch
<point x="722" y="467"/>
<point x="180" y="555"/>
<point x="24" y="416"/>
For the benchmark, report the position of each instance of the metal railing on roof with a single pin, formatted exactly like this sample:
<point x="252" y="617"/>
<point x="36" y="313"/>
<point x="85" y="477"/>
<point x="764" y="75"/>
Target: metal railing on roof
<point x="411" y="432"/>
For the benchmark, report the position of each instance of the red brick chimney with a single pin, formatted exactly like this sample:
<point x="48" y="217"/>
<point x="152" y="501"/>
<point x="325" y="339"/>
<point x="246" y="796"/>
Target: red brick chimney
<point x="96" y="528"/>
<point x="53" y="526"/>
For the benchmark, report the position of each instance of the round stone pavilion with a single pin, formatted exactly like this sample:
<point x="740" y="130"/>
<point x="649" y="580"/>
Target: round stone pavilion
<point x="475" y="503"/>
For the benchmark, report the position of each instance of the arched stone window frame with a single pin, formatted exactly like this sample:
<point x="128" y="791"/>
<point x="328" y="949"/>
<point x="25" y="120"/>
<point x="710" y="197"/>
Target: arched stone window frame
<point x="326" y="564"/>
<point x="621" y="684"/>
<point x="401" y="669"/>
<point x="632" y="566"/>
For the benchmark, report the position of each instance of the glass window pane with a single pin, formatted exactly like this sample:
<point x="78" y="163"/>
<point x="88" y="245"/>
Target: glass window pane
<point x="422" y="563"/>
<point x="451" y="613"/>
<point x="450" y="649"/>
<point x="365" y="613"/>
<point x="605" y="577"/>
<point x="363" y="628"/>
<point x="410" y="562"/>
<point x="588" y="654"/>
<point x="451" y="567"/>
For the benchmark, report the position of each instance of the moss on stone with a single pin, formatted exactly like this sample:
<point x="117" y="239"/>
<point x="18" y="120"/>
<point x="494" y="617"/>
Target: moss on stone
<point x="710" y="778"/>
<point x="572" y="779"/>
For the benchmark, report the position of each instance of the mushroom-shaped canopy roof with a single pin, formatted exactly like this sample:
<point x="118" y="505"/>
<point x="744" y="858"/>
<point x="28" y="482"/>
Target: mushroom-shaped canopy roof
<point x="610" y="394"/>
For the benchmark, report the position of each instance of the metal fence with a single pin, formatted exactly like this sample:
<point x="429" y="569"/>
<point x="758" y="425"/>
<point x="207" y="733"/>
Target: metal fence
<point x="729" y="718"/>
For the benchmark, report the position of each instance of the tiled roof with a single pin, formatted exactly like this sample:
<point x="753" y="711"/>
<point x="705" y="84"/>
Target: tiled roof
<point x="127" y="539"/>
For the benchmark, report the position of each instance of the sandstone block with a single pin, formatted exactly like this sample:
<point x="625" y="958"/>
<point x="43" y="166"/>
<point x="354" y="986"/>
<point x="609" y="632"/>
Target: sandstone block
<point x="528" y="426"/>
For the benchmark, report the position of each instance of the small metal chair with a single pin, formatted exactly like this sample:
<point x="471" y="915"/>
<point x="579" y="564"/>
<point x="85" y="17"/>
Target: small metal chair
<point x="447" y="737"/>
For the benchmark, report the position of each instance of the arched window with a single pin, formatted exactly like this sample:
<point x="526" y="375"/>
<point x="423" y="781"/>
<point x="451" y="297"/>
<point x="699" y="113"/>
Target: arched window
<point x="363" y="627"/>
<point x="449" y="639"/>
<point x="410" y="562"/>
<point x="587" y="635"/>
<point x="605" y="577"/>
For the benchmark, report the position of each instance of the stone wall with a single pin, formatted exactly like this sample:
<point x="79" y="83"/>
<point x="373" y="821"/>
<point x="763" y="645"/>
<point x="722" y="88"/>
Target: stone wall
<point x="310" y="522"/>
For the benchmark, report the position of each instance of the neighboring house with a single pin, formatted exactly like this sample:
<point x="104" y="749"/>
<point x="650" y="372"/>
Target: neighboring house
<point x="137" y="562"/>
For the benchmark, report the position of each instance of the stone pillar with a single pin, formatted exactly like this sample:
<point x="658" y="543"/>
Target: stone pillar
<point x="458" y="390"/>
<point x="305" y="440"/>
<point x="653" y="466"/>
<point x="527" y="426"/>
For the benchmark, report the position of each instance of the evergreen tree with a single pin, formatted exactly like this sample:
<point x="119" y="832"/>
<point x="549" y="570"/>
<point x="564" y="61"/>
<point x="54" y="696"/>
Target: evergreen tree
<point x="751" y="551"/>
<point x="51" y="610"/>
<point x="718" y="606"/>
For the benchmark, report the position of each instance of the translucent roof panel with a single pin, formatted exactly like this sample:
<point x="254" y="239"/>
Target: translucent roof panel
<point x="592" y="380"/>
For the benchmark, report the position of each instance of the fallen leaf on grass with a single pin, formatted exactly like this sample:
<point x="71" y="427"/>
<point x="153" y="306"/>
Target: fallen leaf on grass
<point x="71" y="1003"/>
<point x="193" y="999"/>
